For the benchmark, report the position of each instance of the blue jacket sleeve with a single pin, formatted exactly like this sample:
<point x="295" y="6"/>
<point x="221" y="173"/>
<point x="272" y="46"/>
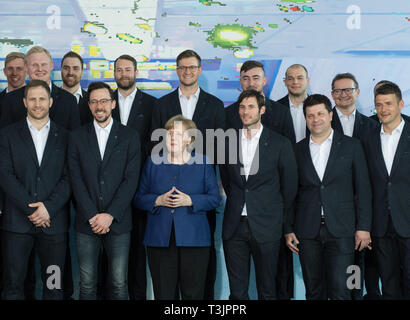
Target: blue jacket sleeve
<point x="211" y="198"/>
<point x="144" y="199"/>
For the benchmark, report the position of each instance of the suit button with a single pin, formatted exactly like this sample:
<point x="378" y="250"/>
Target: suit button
<point x="322" y="187"/>
<point x="35" y="194"/>
<point x="388" y="208"/>
<point x="389" y="184"/>
<point x="101" y="197"/>
<point x="246" y="190"/>
<point x="38" y="179"/>
<point x="102" y="182"/>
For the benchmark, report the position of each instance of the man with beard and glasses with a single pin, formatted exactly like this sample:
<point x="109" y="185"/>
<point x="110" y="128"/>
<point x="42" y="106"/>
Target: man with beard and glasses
<point x="134" y="109"/>
<point x="104" y="161"/>
<point x="296" y="81"/>
<point x="71" y="72"/>
<point x="207" y="111"/>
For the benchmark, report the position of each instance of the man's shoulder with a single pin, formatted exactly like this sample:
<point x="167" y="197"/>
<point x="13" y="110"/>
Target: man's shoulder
<point x="284" y="101"/>
<point x="209" y="96"/>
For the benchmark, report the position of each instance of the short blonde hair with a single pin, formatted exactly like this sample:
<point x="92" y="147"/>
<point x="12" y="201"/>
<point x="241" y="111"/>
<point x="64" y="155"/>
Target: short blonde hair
<point x="187" y="123"/>
<point x="13" y="56"/>
<point x="37" y="49"/>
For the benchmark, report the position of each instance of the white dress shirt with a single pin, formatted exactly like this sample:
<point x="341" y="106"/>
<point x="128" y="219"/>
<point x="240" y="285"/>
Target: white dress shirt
<point x="102" y="136"/>
<point x="320" y="155"/>
<point x="248" y="153"/>
<point x="347" y="122"/>
<point x="188" y="105"/>
<point x="125" y="105"/>
<point x="389" y="144"/>
<point x="39" y="138"/>
<point x="299" y="120"/>
<point x="78" y="94"/>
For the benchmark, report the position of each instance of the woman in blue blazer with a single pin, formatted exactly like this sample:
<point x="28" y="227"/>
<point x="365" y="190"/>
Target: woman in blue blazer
<point x="177" y="188"/>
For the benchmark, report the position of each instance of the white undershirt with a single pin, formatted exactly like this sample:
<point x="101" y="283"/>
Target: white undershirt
<point x="102" y="136"/>
<point x="188" y="105"/>
<point x="39" y="138"/>
<point x="249" y="147"/>
<point x="389" y="144"/>
<point x="347" y="122"/>
<point x="125" y="105"/>
<point x="320" y="155"/>
<point x="299" y="121"/>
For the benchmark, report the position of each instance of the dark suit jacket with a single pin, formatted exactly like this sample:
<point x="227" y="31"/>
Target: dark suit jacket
<point x="285" y="101"/>
<point x="277" y="118"/>
<point x="390" y="193"/>
<point x="362" y="125"/>
<point x="64" y="110"/>
<point x="140" y="118"/>
<point x="269" y="193"/>
<point x="84" y="110"/>
<point x="25" y="182"/>
<point x="346" y="177"/>
<point x="209" y="113"/>
<point x="106" y="186"/>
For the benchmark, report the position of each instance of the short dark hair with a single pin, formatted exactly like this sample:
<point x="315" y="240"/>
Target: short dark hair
<point x="189" y="54"/>
<point x="260" y="99"/>
<point x="37" y="83"/>
<point x="316" y="99"/>
<point x="389" y="88"/>
<point x="296" y="65"/>
<point x="99" y="85"/>
<point x="72" y="54"/>
<point x="346" y="75"/>
<point x="127" y="57"/>
<point x="250" y="64"/>
<point x="378" y="84"/>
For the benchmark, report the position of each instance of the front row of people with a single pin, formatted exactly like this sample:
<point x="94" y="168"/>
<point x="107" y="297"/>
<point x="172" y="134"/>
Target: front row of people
<point x="319" y="196"/>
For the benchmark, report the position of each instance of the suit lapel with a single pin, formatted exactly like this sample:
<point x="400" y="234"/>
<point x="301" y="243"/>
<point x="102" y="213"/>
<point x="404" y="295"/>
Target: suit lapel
<point x="358" y="121"/>
<point x="112" y="141"/>
<point x="175" y="105"/>
<point x="116" y="110"/>
<point x="55" y="91"/>
<point x="136" y="105"/>
<point x="93" y="142"/>
<point x="334" y="150"/>
<point x="28" y="141"/>
<point x="378" y="153"/>
<point x="336" y="124"/>
<point x="307" y="161"/>
<point x="200" y="107"/>
<point x="51" y="141"/>
<point x="401" y="147"/>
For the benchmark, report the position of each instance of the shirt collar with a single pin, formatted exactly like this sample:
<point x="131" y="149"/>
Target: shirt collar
<point x="79" y="92"/>
<point x="107" y="128"/>
<point x="32" y="127"/>
<point x="292" y="105"/>
<point x="329" y="139"/>
<point x="131" y="95"/>
<point x="398" y="129"/>
<point x="196" y="94"/>
<point x="255" y="137"/>
<point x="341" y="115"/>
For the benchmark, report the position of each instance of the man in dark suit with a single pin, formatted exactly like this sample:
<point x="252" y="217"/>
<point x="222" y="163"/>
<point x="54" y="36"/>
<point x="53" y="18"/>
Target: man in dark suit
<point x="296" y="81"/>
<point x="388" y="156"/>
<point x="327" y="224"/>
<point x="207" y="111"/>
<point x="64" y="110"/>
<point x="134" y="109"/>
<point x="71" y="73"/>
<point x="34" y="177"/>
<point x="349" y="121"/>
<point x="277" y="117"/>
<point x="16" y="72"/>
<point x="260" y="189"/>
<point x="104" y="162"/>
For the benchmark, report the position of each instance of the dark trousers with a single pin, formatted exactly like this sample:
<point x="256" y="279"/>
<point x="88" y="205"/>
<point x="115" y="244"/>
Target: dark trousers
<point x="211" y="271"/>
<point x="137" y="273"/>
<point x="284" y="277"/>
<point x="175" y="267"/>
<point x="324" y="261"/>
<point x="117" y="248"/>
<point x="238" y="251"/>
<point x="17" y="248"/>
<point x="371" y="275"/>
<point x="393" y="258"/>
